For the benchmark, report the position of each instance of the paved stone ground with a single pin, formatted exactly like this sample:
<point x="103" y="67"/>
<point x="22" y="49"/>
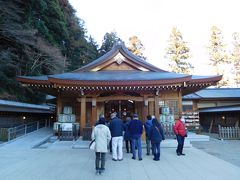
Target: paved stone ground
<point x="61" y="162"/>
<point x="228" y="150"/>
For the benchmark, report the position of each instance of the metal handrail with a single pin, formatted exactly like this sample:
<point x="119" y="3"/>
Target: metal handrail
<point x="23" y="129"/>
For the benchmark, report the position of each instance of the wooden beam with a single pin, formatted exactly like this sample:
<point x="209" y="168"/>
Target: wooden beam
<point x="211" y="125"/>
<point x="118" y="98"/>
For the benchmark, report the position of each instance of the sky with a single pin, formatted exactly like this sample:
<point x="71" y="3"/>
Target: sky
<point x="152" y="21"/>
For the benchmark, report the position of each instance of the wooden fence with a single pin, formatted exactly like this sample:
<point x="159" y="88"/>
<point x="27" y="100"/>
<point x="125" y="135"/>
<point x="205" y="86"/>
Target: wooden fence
<point x="228" y="132"/>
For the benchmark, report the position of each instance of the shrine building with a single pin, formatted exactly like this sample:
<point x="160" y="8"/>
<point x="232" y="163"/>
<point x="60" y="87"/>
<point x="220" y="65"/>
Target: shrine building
<point x="119" y="82"/>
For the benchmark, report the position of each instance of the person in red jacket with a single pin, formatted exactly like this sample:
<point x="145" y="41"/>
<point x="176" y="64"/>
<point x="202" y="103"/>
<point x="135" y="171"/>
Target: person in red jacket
<point x="180" y="131"/>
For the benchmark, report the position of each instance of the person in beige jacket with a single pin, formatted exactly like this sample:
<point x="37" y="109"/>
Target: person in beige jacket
<point x="102" y="136"/>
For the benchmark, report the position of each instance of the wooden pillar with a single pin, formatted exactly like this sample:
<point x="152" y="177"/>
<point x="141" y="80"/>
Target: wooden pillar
<point x="194" y="105"/>
<point x="150" y="107"/>
<point x="59" y="105"/>
<point x="94" y="112"/>
<point x="156" y="107"/>
<point x="145" y="108"/>
<point x="180" y="102"/>
<point x="83" y="114"/>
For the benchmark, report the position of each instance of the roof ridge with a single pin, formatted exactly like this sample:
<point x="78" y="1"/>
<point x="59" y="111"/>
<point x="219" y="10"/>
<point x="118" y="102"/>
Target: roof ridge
<point x="119" y="46"/>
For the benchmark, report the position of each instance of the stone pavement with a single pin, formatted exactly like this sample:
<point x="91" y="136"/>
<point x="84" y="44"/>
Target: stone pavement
<point x="228" y="150"/>
<point x="62" y="162"/>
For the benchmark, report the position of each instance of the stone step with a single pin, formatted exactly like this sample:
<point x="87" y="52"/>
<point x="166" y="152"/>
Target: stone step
<point x="169" y="143"/>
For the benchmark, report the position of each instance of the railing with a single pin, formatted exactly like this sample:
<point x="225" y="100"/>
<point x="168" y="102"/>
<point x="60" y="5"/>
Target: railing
<point x="24" y="129"/>
<point x="228" y="132"/>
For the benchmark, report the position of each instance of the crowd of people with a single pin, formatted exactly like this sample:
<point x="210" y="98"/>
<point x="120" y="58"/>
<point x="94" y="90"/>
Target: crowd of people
<point x="112" y="134"/>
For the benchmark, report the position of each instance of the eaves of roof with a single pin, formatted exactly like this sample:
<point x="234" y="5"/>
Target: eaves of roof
<point x="220" y="109"/>
<point x="14" y="106"/>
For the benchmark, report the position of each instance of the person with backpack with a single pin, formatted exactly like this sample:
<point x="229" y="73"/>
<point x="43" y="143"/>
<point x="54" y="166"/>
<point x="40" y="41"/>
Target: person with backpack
<point x="156" y="135"/>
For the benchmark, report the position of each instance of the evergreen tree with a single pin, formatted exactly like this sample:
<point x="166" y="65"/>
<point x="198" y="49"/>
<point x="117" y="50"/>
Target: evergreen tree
<point x="178" y="53"/>
<point x="235" y="55"/>
<point x="108" y="42"/>
<point x="38" y="38"/>
<point x="218" y="56"/>
<point x="57" y="22"/>
<point x="136" y="47"/>
<point x="23" y="51"/>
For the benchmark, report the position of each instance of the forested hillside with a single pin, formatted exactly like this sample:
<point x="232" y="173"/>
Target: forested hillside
<point x="39" y="37"/>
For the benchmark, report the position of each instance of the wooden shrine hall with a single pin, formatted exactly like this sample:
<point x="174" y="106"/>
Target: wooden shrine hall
<point x="119" y="82"/>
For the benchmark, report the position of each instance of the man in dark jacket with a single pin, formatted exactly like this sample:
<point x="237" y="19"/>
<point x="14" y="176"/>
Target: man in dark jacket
<point x="147" y="126"/>
<point x="136" y="130"/>
<point x="116" y="128"/>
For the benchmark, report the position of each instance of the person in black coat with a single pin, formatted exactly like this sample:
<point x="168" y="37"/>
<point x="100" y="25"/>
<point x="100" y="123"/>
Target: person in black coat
<point x="127" y="137"/>
<point x="156" y="135"/>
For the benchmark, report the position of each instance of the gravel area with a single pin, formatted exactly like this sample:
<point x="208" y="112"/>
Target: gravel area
<point x="228" y="150"/>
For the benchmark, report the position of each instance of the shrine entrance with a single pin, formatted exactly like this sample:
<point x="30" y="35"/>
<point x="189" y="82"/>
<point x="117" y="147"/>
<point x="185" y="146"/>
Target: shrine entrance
<point x="124" y="108"/>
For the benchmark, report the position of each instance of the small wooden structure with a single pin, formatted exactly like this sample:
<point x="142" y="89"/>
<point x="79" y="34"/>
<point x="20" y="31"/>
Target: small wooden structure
<point x="14" y="113"/>
<point x="216" y="106"/>
<point x="118" y="81"/>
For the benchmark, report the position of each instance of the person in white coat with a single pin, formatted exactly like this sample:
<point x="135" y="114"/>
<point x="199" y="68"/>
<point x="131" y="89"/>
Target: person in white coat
<point x="102" y="136"/>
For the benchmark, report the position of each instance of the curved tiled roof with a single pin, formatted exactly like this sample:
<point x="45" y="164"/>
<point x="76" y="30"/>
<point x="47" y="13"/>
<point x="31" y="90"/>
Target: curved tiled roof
<point x="215" y="93"/>
<point x="119" y="47"/>
<point x="152" y="76"/>
<point x="117" y="78"/>
<point x="14" y="106"/>
<point x="220" y="109"/>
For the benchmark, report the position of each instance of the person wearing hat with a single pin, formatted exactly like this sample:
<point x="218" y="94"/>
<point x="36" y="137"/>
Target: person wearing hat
<point x="116" y="128"/>
<point x="136" y="130"/>
<point x="100" y="116"/>
<point x="101" y="134"/>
